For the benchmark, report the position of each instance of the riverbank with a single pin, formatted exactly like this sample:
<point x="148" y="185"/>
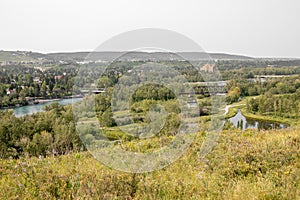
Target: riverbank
<point x="258" y="116"/>
<point x="41" y="101"/>
<point x="232" y="110"/>
<point x="30" y="109"/>
<point x="57" y="99"/>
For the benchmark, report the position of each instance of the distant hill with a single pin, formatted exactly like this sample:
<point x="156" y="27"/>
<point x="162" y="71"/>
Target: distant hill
<point x="28" y="56"/>
<point x="70" y="57"/>
<point x="108" y="56"/>
<point x="223" y="56"/>
<point x="20" y="56"/>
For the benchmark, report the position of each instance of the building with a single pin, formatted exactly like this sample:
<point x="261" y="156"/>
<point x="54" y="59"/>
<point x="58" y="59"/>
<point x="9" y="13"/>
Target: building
<point x="208" y="68"/>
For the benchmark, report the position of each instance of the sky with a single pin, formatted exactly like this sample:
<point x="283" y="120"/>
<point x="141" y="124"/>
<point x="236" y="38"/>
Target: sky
<point x="260" y="28"/>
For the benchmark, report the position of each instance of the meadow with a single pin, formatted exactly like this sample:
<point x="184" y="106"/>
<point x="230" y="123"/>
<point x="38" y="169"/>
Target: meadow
<point x="245" y="165"/>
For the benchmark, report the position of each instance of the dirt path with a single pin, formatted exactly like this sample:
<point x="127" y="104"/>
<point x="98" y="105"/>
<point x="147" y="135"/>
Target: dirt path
<point x="231" y="106"/>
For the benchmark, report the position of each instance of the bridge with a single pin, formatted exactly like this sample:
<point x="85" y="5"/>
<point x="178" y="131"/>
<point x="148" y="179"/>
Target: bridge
<point x="209" y="88"/>
<point x="204" y="88"/>
<point x="95" y="91"/>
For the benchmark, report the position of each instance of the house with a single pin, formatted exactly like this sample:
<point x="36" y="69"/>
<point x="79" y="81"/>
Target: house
<point x="37" y="79"/>
<point x="9" y="91"/>
<point x="208" y="68"/>
<point x="58" y="77"/>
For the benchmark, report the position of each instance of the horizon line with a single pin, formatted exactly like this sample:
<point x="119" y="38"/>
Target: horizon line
<point x="118" y="51"/>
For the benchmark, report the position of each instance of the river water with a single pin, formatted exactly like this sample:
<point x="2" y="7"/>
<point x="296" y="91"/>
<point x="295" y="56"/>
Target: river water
<point x="30" y="109"/>
<point x="240" y="121"/>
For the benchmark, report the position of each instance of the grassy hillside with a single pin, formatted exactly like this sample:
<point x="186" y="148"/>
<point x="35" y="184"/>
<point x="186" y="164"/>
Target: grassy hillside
<point x="244" y="165"/>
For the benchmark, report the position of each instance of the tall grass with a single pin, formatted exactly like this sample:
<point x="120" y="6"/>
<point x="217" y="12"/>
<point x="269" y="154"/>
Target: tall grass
<point x="244" y="165"/>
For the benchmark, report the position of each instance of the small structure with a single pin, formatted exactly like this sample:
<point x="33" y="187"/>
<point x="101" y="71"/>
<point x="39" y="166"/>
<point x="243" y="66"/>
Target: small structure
<point x="37" y="79"/>
<point x="210" y="68"/>
<point x="58" y="77"/>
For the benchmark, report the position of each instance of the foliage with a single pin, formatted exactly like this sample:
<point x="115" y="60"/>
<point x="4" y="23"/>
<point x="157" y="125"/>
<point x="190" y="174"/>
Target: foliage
<point x="19" y="83"/>
<point x="44" y="133"/>
<point x="287" y="106"/>
<point x="244" y="165"/>
<point x="248" y="165"/>
<point x="233" y="95"/>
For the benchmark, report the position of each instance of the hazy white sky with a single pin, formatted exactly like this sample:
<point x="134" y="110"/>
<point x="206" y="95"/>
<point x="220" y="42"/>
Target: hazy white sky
<point x="253" y="27"/>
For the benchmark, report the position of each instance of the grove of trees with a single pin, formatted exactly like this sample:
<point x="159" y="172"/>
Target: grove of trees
<point x="43" y="133"/>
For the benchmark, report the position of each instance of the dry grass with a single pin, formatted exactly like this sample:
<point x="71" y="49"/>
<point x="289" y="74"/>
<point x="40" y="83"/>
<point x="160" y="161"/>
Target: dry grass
<point x="244" y="165"/>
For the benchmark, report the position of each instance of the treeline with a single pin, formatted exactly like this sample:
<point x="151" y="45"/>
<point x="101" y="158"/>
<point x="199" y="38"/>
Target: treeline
<point x="255" y="64"/>
<point x="248" y="69"/>
<point x="242" y="87"/>
<point x="43" y="133"/>
<point x="103" y="75"/>
<point x="287" y="106"/>
<point x="139" y="104"/>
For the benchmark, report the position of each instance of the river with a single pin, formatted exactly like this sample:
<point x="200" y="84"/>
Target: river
<point x="240" y="121"/>
<point x="30" y="109"/>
